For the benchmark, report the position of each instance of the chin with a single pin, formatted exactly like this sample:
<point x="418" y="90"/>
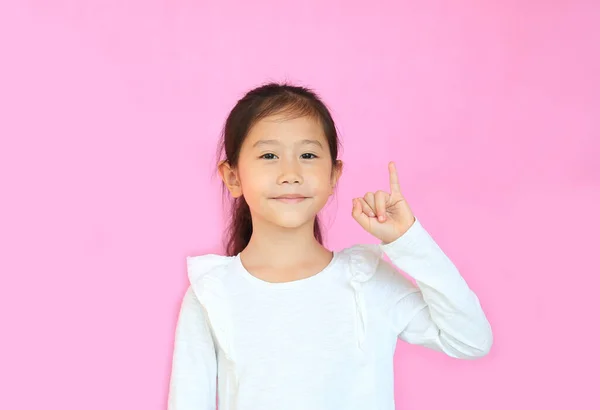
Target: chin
<point x="290" y="216"/>
<point x="291" y="222"/>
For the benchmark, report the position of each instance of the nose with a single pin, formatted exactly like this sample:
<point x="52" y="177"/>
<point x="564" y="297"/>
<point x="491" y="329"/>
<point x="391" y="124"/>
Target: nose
<point x="290" y="174"/>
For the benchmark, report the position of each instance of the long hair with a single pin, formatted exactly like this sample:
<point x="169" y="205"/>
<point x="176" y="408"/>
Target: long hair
<point x="258" y="103"/>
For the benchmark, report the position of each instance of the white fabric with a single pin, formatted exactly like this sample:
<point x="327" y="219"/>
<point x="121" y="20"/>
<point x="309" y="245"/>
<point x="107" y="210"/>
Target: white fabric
<point x="321" y="343"/>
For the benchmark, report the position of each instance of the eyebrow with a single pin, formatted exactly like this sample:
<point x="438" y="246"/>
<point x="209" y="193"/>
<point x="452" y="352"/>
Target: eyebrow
<point x="276" y="142"/>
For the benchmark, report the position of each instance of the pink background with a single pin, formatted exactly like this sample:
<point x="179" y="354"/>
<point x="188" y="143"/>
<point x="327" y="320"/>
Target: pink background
<point x="110" y="113"/>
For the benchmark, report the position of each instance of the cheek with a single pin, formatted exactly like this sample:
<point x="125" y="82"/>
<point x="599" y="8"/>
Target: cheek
<point x="320" y="180"/>
<point x="253" y="182"/>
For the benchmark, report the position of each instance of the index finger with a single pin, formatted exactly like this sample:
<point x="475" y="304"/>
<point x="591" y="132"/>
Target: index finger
<point x="394" y="184"/>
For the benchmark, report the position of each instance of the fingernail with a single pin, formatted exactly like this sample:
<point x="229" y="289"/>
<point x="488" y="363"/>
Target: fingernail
<point x="381" y="218"/>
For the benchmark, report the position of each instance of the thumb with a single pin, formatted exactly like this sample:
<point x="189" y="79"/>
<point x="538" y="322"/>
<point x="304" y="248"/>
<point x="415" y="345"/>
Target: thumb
<point x="359" y="215"/>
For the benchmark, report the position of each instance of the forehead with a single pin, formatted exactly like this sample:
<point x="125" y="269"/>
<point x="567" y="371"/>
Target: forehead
<point x="286" y="129"/>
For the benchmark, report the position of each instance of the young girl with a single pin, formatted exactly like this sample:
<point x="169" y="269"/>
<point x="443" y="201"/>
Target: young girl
<point x="284" y="323"/>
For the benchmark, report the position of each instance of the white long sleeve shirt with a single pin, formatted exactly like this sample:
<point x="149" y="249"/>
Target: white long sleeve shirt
<point x="325" y="342"/>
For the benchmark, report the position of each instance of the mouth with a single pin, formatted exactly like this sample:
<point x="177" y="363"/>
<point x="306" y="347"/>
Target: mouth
<point x="290" y="199"/>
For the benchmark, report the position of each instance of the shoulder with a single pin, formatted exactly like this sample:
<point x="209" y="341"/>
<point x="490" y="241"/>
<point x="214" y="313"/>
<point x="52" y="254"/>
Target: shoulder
<point x="369" y="268"/>
<point x="207" y="273"/>
<point x="363" y="260"/>
<point x="201" y="266"/>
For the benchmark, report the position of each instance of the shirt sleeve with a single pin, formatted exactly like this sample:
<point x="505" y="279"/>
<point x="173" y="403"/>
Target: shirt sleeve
<point x="441" y="312"/>
<point x="194" y="369"/>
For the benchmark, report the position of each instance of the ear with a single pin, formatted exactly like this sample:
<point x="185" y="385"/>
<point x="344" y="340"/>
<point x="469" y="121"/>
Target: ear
<point x="230" y="178"/>
<point x="336" y="173"/>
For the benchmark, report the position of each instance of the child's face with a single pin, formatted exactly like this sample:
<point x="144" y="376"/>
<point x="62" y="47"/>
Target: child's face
<point x="282" y="156"/>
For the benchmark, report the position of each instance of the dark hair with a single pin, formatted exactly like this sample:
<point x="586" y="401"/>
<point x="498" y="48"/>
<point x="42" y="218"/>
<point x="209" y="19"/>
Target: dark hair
<point x="258" y="103"/>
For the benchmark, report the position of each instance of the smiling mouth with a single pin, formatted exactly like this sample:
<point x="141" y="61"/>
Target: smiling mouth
<point x="290" y="199"/>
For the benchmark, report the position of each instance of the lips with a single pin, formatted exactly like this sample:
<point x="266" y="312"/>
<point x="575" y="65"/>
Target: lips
<point x="290" y="198"/>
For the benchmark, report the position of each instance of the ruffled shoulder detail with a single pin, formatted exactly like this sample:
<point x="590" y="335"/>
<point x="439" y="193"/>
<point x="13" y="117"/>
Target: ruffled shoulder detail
<point x="363" y="260"/>
<point x="200" y="267"/>
<point x="206" y="274"/>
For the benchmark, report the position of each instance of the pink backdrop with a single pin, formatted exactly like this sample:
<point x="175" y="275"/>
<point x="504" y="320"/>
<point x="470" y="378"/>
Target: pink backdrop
<point x="110" y="113"/>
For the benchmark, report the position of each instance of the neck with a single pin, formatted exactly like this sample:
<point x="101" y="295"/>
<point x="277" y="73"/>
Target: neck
<point x="281" y="246"/>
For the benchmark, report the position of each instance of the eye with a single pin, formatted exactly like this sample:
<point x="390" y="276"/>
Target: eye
<point x="268" y="156"/>
<point x="308" y="155"/>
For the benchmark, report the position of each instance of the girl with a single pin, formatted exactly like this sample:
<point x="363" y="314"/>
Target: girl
<point x="281" y="321"/>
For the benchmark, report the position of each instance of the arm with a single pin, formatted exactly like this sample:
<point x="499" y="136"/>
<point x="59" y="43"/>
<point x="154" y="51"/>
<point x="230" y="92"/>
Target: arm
<point x="442" y="313"/>
<point x="194" y="368"/>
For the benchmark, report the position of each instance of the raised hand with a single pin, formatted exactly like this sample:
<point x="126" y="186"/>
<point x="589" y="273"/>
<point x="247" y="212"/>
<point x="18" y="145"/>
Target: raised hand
<point x="384" y="215"/>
